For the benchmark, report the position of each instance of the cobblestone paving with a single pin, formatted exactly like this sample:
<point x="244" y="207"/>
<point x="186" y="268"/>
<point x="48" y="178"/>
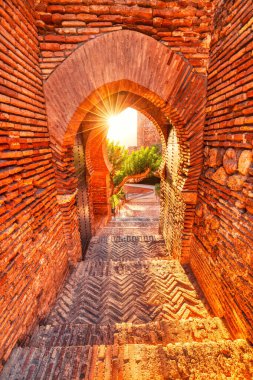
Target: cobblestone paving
<point x="130" y="312"/>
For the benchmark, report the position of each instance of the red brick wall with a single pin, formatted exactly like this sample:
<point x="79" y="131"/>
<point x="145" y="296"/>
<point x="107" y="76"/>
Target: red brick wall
<point x="222" y="249"/>
<point x="65" y="24"/>
<point x="147" y="133"/>
<point x="32" y="249"/>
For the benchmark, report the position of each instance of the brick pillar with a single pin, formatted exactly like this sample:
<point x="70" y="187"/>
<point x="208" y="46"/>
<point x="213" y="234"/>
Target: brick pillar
<point x="66" y="183"/>
<point x="99" y="180"/>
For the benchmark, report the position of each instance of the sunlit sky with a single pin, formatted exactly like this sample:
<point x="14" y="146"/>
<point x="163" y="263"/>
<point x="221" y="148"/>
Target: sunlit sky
<point x="123" y="127"/>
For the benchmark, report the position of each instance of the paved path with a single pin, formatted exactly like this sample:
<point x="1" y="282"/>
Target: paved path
<point x="141" y="202"/>
<point x="130" y="312"/>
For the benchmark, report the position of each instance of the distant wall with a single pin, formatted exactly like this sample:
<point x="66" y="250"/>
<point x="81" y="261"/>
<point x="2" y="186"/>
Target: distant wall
<point x="147" y="133"/>
<point x="222" y="250"/>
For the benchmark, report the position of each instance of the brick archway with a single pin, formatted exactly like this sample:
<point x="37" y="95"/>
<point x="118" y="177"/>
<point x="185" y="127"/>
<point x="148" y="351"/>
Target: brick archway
<point x="127" y="61"/>
<point x="94" y="128"/>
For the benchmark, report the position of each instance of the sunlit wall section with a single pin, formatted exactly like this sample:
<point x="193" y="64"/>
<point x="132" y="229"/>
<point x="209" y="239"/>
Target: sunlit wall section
<point x="172" y="202"/>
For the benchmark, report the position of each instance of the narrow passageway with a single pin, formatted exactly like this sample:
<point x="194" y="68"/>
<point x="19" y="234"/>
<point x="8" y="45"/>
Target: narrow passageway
<point x="130" y="312"/>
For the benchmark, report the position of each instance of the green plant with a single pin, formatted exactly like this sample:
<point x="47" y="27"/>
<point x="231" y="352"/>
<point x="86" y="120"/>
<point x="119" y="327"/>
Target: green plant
<point x="126" y="165"/>
<point x="139" y="161"/>
<point x="115" y="199"/>
<point x="116" y="155"/>
<point x="158" y="189"/>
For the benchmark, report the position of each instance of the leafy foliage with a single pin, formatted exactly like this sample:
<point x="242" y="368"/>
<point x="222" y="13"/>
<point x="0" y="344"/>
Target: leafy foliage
<point x="116" y="155"/>
<point x="158" y="189"/>
<point x="137" y="162"/>
<point x="116" y="198"/>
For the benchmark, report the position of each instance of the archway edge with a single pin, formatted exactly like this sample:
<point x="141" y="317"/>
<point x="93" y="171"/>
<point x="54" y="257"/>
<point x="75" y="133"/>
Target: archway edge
<point x="123" y="56"/>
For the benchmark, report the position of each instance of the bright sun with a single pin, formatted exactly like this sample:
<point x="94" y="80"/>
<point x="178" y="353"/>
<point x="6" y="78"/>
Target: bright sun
<point x="123" y="127"/>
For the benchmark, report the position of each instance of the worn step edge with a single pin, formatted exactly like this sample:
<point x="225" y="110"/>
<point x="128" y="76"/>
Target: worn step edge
<point x="164" y="332"/>
<point x="226" y="359"/>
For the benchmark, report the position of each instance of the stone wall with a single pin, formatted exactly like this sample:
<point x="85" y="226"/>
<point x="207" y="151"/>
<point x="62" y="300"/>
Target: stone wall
<point x="147" y="133"/>
<point x="64" y="25"/>
<point x="32" y="248"/>
<point x="221" y="255"/>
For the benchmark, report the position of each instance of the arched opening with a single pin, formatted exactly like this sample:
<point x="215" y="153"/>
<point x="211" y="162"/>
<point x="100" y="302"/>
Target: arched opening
<point x="164" y="87"/>
<point x="90" y="158"/>
<point x="134" y="149"/>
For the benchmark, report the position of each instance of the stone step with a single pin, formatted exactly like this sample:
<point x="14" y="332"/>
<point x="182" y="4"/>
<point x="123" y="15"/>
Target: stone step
<point x="129" y="231"/>
<point x="165" y="332"/>
<point x="192" y="360"/>
<point x="133" y="222"/>
<point x="111" y="267"/>
<point x="72" y="335"/>
<point x="127" y="247"/>
<point x="209" y="329"/>
<point x="130" y="227"/>
<point x="127" y="238"/>
<point x="58" y="363"/>
<point x="133" y="219"/>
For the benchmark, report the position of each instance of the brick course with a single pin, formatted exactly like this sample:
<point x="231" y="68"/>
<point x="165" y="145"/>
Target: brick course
<point x="184" y="26"/>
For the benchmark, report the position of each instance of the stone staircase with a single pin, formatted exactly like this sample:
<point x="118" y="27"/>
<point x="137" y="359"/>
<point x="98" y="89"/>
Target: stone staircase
<point x="130" y="312"/>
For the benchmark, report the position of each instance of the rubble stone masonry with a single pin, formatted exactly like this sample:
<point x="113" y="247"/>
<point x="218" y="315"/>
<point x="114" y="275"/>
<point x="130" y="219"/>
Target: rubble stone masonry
<point x="32" y="247"/>
<point x="222" y="251"/>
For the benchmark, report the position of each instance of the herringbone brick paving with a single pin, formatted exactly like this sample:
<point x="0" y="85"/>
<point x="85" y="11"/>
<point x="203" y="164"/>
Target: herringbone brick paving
<point x="130" y="312"/>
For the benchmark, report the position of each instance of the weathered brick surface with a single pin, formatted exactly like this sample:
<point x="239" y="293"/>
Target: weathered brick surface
<point x="34" y="257"/>
<point x="222" y="249"/>
<point x="64" y="25"/>
<point x="147" y="133"/>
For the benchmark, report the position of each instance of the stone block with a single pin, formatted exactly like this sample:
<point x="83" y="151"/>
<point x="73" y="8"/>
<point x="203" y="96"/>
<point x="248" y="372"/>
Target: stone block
<point x="230" y="161"/>
<point x="236" y="182"/>
<point x="245" y="161"/>
<point x="220" y="176"/>
<point x="214" y="157"/>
